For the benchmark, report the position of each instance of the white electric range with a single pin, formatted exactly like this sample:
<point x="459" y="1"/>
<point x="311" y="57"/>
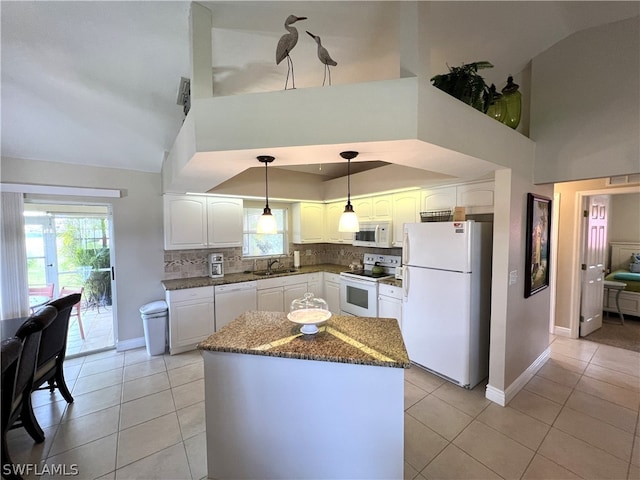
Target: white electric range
<point x="359" y="289"/>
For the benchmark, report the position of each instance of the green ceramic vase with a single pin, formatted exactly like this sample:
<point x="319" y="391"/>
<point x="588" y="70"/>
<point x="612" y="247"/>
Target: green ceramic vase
<point x="513" y="102"/>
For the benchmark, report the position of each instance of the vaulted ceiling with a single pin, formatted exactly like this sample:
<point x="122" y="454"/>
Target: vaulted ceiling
<point x="96" y="83"/>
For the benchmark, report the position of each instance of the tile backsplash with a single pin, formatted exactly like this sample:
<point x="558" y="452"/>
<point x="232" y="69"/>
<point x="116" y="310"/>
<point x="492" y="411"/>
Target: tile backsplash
<point x="194" y="263"/>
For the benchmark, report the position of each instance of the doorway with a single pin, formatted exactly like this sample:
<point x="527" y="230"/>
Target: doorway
<point x="574" y="235"/>
<point x="69" y="250"/>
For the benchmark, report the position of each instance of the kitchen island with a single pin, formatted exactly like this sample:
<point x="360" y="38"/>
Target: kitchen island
<point x="280" y="404"/>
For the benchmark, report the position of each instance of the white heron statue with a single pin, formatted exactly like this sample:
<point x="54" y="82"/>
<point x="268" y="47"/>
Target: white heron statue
<point x="286" y="44"/>
<point x="324" y="57"/>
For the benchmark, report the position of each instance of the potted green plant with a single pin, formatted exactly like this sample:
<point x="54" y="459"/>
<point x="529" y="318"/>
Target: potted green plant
<point x="466" y="85"/>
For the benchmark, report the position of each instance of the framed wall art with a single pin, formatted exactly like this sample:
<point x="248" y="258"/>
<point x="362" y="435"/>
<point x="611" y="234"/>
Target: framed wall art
<point x="537" y="244"/>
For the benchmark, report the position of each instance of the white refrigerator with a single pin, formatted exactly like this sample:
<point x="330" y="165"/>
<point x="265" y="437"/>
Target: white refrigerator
<point x="446" y="306"/>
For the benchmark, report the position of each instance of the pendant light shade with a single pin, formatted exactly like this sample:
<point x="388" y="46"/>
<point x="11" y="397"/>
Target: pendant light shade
<point x="349" y="220"/>
<point x="267" y="222"/>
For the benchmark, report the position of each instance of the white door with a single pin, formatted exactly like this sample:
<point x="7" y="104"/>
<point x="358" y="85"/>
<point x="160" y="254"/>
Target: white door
<point x="593" y="263"/>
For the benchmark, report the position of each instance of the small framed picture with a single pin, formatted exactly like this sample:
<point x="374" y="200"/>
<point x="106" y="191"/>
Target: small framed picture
<point x="537" y="244"/>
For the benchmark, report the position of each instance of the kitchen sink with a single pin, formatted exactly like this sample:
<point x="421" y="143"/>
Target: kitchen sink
<point x="278" y="271"/>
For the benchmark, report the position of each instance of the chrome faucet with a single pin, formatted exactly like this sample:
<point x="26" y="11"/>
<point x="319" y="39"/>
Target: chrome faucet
<point x="271" y="263"/>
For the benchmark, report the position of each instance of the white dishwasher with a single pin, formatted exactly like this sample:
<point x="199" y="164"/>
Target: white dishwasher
<point x="232" y="300"/>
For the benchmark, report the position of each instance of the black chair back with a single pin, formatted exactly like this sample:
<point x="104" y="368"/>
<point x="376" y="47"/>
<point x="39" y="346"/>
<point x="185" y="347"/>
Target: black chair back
<point x="16" y="402"/>
<point x="30" y="332"/>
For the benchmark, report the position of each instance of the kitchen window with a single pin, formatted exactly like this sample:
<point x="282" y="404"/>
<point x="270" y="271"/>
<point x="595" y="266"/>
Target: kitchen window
<point x="264" y="245"/>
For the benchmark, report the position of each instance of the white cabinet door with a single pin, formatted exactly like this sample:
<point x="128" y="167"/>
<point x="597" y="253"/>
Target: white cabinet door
<point x="308" y="222"/>
<point x="191" y="317"/>
<point x="332" y="235"/>
<point x="406" y="209"/>
<point x="390" y="307"/>
<point x="382" y="207"/>
<point x="363" y="208"/>
<point x="332" y="291"/>
<point x="224" y="225"/>
<point x="314" y="284"/>
<point x="476" y="197"/>
<point x="185" y="222"/>
<point x="438" y="199"/>
<point x="291" y="292"/>
<point x="271" y="299"/>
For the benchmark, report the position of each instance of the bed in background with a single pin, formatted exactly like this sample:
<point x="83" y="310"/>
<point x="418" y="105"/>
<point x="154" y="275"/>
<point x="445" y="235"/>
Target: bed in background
<point x="621" y="253"/>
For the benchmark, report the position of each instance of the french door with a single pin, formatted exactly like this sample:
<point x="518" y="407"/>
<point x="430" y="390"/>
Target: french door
<point x="69" y="246"/>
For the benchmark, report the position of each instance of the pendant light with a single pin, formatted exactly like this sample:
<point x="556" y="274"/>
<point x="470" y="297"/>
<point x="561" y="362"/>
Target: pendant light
<point x="349" y="220"/>
<point x="267" y="222"/>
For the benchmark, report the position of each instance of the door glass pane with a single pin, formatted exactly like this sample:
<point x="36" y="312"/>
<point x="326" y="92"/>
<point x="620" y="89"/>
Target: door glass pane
<point x="36" y="273"/>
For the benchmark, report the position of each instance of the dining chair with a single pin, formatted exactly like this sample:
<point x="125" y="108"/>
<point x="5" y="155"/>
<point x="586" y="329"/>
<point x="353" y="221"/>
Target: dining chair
<point x="76" y="311"/>
<point x="10" y="349"/>
<point x="42" y="290"/>
<point x="39" y="295"/>
<point x="18" y="412"/>
<point x="53" y="348"/>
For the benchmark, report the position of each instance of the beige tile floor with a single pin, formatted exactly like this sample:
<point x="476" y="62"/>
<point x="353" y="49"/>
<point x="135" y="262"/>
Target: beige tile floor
<point x="136" y="416"/>
<point x="98" y="331"/>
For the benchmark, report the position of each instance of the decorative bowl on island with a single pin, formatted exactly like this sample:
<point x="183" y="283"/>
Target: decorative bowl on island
<point x="309" y="311"/>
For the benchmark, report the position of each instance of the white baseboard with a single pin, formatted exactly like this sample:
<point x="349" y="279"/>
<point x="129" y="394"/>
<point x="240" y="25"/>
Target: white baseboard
<point x="503" y="397"/>
<point x="562" y="331"/>
<point x="130" y="344"/>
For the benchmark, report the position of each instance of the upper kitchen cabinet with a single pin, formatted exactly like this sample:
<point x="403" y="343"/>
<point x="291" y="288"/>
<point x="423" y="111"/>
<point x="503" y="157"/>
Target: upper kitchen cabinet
<point x="224" y="222"/>
<point x="438" y="199"/>
<point x="406" y="209"/>
<point x="195" y="221"/>
<point x="332" y="235"/>
<point x="373" y="208"/>
<point x="308" y="222"/>
<point x="185" y="222"/>
<point x="476" y="197"/>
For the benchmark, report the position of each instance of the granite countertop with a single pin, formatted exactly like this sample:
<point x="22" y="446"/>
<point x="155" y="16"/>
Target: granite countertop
<point x="194" y="282"/>
<point x="396" y="282"/>
<point x="342" y="339"/>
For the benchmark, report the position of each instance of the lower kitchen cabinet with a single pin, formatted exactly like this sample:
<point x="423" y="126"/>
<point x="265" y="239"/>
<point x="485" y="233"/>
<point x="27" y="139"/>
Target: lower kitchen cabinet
<point x="291" y="292"/>
<point x="390" y="302"/>
<point x="332" y="291"/>
<point x="191" y="317"/>
<point x="314" y="284"/>
<point x="276" y="294"/>
<point x="270" y="299"/>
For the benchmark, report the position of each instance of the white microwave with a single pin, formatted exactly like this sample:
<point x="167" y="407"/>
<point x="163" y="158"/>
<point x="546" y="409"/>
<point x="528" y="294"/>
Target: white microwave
<point x="373" y="234"/>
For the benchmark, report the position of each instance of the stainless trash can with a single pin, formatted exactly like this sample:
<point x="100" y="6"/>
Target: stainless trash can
<point x="154" y="320"/>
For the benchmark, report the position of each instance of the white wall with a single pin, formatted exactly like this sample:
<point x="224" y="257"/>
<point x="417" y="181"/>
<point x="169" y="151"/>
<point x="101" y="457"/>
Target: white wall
<point x="519" y="326"/>
<point x="625" y="218"/>
<point x="585" y="114"/>
<point x="137" y="223"/>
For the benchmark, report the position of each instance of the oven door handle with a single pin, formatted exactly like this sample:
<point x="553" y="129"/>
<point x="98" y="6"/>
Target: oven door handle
<point x="356" y="281"/>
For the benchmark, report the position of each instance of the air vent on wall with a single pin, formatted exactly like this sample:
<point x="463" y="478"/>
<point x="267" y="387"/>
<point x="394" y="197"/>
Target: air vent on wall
<point x="623" y="180"/>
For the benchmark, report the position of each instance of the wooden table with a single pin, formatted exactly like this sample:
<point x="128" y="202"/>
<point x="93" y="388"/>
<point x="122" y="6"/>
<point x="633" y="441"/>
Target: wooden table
<point x="9" y="327"/>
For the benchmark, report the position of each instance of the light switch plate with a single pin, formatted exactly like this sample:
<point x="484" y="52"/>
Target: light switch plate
<point x="513" y="277"/>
